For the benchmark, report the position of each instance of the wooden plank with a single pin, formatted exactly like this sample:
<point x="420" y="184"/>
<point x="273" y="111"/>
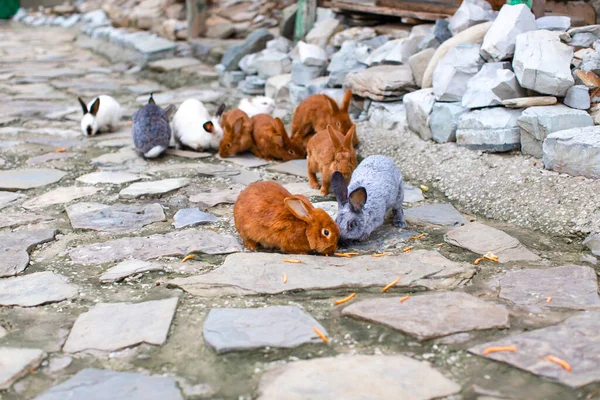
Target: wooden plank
<point x="305" y="18"/>
<point x="196" y="17"/>
<point x="339" y="6"/>
<point x="579" y="9"/>
<point x="430" y="6"/>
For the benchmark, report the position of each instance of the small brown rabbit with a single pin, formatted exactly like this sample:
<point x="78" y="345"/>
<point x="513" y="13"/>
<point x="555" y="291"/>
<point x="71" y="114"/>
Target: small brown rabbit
<point x="271" y="139"/>
<point x="266" y="214"/>
<point x="237" y="133"/>
<point x="329" y="151"/>
<point x="318" y="111"/>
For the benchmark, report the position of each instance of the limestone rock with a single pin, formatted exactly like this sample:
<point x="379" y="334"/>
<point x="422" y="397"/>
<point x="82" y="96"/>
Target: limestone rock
<point x="395" y="51"/>
<point x="578" y="97"/>
<point x="444" y="121"/>
<point x="471" y="12"/>
<point x="381" y="83"/>
<point x="270" y="63"/>
<point x="302" y="74"/>
<point x="322" y="32"/>
<point x="499" y="42"/>
<point x="7" y="198"/>
<point x="454" y="71"/>
<point x="14" y="254"/>
<point x="492" y="84"/>
<point x="481" y="239"/>
<point x="419" y="105"/>
<point x="128" y="268"/>
<point x="389" y="377"/>
<point x="16" y="363"/>
<point x="293" y="167"/>
<point x="113" y="326"/>
<point x="489" y="129"/>
<point x="418" y="64"/>
<point x="542" y="62"/>
<point x="35" y="289"/>
<point x="276" y="86"/>
<point x="213" y="197"/>
<point x="60" y="195"/>
<point x="593" y="243"/>
<point x="310" y="54"/>
<point x="235" y="329"/>
<point x="254" y="43"/>
<point x="152" y="188"/>
<point x="537" y="123"/>
<point x="192" y="217"/>
<point x="356" y="34"/>
<point x="442" y="214"/>
<point x="28" y="178"/>
<point x="387" y="115"/>
<point x="113" y="178"/>
<point x="554" y="23"/>
<point x="344" y="61"/>
<point x="433" y="315"/>
<point x="591" y="62"/>
<point x="114" y="218"/>
<point x="574" y="151"/>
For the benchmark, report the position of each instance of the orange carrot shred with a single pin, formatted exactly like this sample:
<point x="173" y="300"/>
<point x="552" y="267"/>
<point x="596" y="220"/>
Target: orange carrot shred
<point x="403" y="299"/>
<point x="499" y="349"/>
<point x="188" y="257"/>
<point x="390" y="285"/>
<point x="476" y="262"/>
<point x="321" y="335"/>
<point x="292" y="261"/>
<point x="61" y="150"/>
<point x="490" y="256"/>
<point x="378" y="255"/>
<point x="284" y="278"/>
<point x="560" y="362"/>
<point x="341" y="255"/>
<point x="345" y="299"/>
<point x="549" y="299"/>
<point x="416" y="237"/>
<point x="406" y="250"/>
<point x="440" y="244"/>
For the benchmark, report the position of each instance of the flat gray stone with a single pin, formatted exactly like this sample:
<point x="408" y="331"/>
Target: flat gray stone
<point x="111" y="177"/>
<point x="593" y="243"/>
<point x="7" y="198"/>
<point x="113" y="326"/>
<point x="187" y="153"/>
<point x="192" y="217"/>
<point x="260" y="273"/>
<point x="499" y="42"/>
<point x="180" y="243"/>
<point x="454" y="71"/>
<point x="443" y="214"/>
<point x="28" y="178"/>
<point x="381" y="83"/>
<point x="245" y="160"/>
<point x="431" y="316"/>
<point x="16" y="363"/>
<point x="173" y="64"/>
<point x="246" y="177"/>
<point x="293" y="167"/>
<point x="571" y="340"/>
<point x="554" y="23"/>
<point x="200" y="168"/>
<point x="44" y="158"/>
<point x="570" y="286"/>
<point x="356" y="378"/>
<point x="124" y="159"/>
<point x="480" y="239"/>
<point x="98" y="384"/>
<point x="60" y="195"/>
<point x="255" y="42"/>
<point x="489" y="129"/>
<point x="15" y="219"/>
<point x="127" y="268"/>
<point x="234" y="329"/>
<point x="213" y="197"/>
<point x="574" y="151"/>
<point x="14" y="254"/>
<point x="114" y="218"/>
<point x="411" y="194"/>
<point x="385" y="115"/>
<point x="35" y="289"/>
<point x="419" y="105"/>
<point x="578" y="97"/>
<point x="152" y="188"/>
<point x="443" y="121"/>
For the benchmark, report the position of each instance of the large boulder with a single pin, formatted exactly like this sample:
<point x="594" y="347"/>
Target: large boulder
<point x="345" y="61"/>
<point x="419" y="105"/>
<point x="322" y="32"/>
<point x="471" y="12"/>
<point x="499" y="42"/>
<point x="574" y="151"/>
<point x="489" y="129"/>
<point x="444" y="121"/>
<point x="492" y="84"/>
<point x="455" y="70"/>
<point x="381" y="83"/>
<point x="388" y="115"/>
<point x="543" y="63"/>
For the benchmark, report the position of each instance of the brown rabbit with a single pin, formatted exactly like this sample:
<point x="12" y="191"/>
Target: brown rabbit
<point x="237" y="133"/>
<point x="271" y="139"/>
<point x="266" y="214"/>
<point x="330" y="151"/>
<point x="318" y="111"/>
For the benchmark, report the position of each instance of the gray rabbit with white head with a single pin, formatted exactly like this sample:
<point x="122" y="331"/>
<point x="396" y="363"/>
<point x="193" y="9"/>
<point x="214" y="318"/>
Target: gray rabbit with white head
<point x="375" y="187"/>
<point x="151" y="130"/>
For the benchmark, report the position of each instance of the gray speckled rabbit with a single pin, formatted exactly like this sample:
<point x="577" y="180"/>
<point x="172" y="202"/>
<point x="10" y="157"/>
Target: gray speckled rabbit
<point x="375" y="187"/>
<point x="151" y="130"/>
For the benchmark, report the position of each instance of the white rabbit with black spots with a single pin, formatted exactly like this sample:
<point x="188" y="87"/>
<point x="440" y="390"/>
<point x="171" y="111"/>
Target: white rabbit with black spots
<point x="102" y="114"/>
<point x="195" y="128"/>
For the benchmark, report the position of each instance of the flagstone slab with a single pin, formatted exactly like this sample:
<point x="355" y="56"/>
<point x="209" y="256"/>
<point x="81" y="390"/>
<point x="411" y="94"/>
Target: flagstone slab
<point x="44" y="158"/>
<point x="575" y="341"/>
<point x="431" y="316"/>
<point x="127" y="268"/>
<point x="22" y="218"/>
<point x="192" y="217"/>
<point x="14" y="253"/>
<point x="15" y="363"/>
<point x="356" y="377"/>
<point x="412" y="194"/>
<point x="441" y="214"/>
<point x="293" y="167"/>
<point x="214" y="197"/>
<point x="179" y="243"/>
<point x="245" y="160"/>
<point x="261" y="273"/>
<point x="60" y="195"/>
<point x="153" y="188"/>
<point x="111" y="177"/>
<point x="114" y="218"/>
<point x="480" y="239"/>
<point x="6" y="198"/>
<point x="113" y="326"/>
<point x="35" y="289"/>
<point x="236" y="329"/>
<point x="200" y="168"/>
<point x="187" y="153"/>
<point x="29" y="178"/>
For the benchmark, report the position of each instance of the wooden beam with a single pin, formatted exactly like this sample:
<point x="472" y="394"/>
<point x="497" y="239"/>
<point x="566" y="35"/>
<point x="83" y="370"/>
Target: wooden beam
<point x="538" y="7"/>
<point x="196" y="17"/>
<point x="339" y="6"/>
<point x="305" y="18"/>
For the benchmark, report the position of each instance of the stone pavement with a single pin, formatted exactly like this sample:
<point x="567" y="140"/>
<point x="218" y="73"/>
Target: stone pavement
<point x="97" y="303"/>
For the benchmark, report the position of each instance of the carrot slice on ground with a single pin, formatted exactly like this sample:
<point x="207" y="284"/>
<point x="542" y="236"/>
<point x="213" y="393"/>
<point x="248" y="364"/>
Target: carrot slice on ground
<point x="549" y="299"/>
<point x="345" y="299"/>
<point x="342" y="255"/>
<point x="61" y="150"/>
<point x="403" y="299"/>
<point x="378" y="255"/>
<point x="321" y="335"/>
<point x="284" y="278"/>
<point x="293" y="261"/>
<point x="560" y="362"/>
<point x="440" y="244"/>
<point x="390" y="285"/>
<point x="188" y="257"/>
<point x="476" y="262"/>
<point x="416" y="237"/>
<point x="406" y="250"/>
<point x="499" y="349"/>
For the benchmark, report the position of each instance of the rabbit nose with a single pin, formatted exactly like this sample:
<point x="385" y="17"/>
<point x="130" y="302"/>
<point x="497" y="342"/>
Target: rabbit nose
<point x="89" y="131"/>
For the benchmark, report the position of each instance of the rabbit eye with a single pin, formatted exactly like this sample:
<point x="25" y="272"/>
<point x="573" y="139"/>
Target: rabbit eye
<point x="339" y="124"/>
<point x="325" y="232"/>
<point x="291" y="152"/>
<point x="228" y="145"/>
<point x="351" y="225"/>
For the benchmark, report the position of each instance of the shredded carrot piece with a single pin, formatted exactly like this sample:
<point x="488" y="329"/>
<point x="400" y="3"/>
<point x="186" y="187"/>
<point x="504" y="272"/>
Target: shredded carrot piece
<point x="341" y="255"/>
<point x="326" y="255"/>
<point x="549" y="299"/>
<point x="560" y="362"/>
<point x="490" y="256"/>
<point x="416" y="237"/>
<point x="292" y="261"/>
<point x="321" y="335"/>
<point x="439" y="244"/>
<point x="61" y="150"/>
<point x="188" y="257"/>
<point x="499" y="349"/>
<point x="476" y="262"/>
<point x="390" y="285"/>
<point x="424" y="188"/>
<point x="378" y="255"/>
<point x="406" y="250"/>
<point x="345" y="299"/>
<point x="403" y="299"/>
<point x="284" y="278"/>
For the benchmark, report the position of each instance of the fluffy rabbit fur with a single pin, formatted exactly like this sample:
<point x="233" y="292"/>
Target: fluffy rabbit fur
<point x="237" y="138"/>
<point x="318" y="111"/>
<point x="101" y="115"/>
<point x="151" y="130"/>
<point x="271" y="139"/>
<point x="195" y="128"/>
<point x="376" y="186"/>
<point x="329" y="151"/>
<point x="266" y="214"/>
<point x="257" y="105"/>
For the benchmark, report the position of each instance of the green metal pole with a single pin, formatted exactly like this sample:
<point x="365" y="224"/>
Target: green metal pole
<point x="305" y="18"/>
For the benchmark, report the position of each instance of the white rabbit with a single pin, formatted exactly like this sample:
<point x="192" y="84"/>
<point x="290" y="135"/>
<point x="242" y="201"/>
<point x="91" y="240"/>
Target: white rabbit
<point x="195" y="128"/>
<point x="101" y="115"/>
<point x="257" y="105"/>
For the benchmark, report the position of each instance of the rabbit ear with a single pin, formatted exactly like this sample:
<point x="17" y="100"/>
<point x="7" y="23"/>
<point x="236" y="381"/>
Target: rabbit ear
<point x="279" y="127"/>
<point x="358" y="198"/>
<point x="237" y="125"/>
<point x="298" y="208"/>
<point x="346" y="101"/>
<point x="208" y="126"/>
<point x="349" y="139"/>
<point x="337" y="145"/>
<point x="170" y="110"/>
<point x="332" y="104"/>
<point x="151" y="99"/>
<point x="95" y="107"/>
<point x="278" y="140"/>
<point x="338" y="183"/>
<point x="220" y="110"/>
<point x="83" y="106"/>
